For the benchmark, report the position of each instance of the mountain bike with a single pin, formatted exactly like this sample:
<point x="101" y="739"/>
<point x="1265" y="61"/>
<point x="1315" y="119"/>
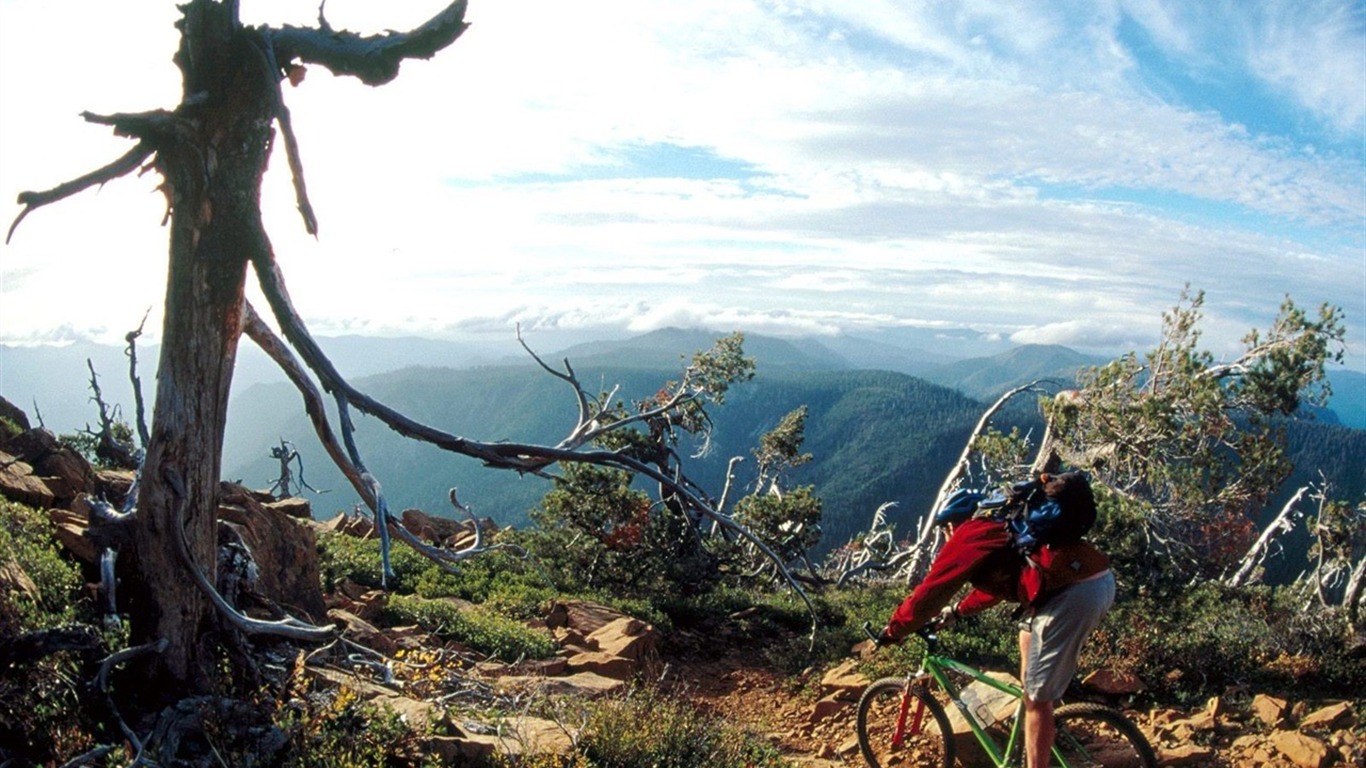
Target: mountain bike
<point x="902" y="722"/>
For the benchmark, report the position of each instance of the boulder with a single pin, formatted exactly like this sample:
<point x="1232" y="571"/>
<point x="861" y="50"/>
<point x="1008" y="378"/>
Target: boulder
<point x="285" y="551"/>
<point x="1303" y="750"/>
<point x="1327" y="718"/>
<point x="844" y="680"/>
<point x="1110" y="682"/>
<point x="627" y="637"/>
<point x="1269" y="709"/>
<point x="19" y="484"/>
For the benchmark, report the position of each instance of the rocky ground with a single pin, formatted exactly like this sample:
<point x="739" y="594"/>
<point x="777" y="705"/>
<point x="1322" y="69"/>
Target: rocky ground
<point x="808" y="716"/>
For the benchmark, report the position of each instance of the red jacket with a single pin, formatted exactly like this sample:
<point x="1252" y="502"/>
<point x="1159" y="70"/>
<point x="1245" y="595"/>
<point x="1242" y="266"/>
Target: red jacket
<point x="980" y="553"/>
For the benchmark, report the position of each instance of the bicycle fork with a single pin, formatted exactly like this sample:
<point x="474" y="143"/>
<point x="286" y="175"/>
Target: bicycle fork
<point x="899" y="735"/>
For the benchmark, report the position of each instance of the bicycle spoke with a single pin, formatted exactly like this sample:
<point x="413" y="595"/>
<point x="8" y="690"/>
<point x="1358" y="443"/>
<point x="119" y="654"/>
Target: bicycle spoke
<point x="920" y="739"/>
<point x="1090" y="736"/>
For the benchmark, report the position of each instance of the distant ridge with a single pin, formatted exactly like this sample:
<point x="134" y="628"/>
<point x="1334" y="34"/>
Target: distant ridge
<point x="986" y="378"/>
<point x="669" y="348"/>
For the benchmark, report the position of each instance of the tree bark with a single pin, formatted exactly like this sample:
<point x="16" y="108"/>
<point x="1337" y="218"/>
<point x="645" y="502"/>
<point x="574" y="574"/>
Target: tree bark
<point x="213" y="164"/>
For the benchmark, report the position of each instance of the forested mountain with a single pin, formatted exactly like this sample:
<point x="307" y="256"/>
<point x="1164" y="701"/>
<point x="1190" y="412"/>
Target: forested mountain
<point x="876" y="436"/>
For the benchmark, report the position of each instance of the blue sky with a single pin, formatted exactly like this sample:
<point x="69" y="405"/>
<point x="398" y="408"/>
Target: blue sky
<point x="1046" y="172"/>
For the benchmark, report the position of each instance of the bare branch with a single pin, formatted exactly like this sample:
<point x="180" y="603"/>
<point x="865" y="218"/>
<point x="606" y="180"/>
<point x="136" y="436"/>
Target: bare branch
<point x="927" y="528"/>
<point x="132" y="353"/>
<point x="1257" y="554"/>
<point x="131" y="161"/>
<point x="375" y="59"/>
<point x="288" y="627"/>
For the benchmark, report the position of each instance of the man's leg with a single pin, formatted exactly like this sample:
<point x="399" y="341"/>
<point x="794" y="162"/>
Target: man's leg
<point x="1038" y="718"/>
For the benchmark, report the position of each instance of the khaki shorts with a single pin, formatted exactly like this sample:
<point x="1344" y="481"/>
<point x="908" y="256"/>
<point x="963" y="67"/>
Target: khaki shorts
<point x="1057" y="629"/>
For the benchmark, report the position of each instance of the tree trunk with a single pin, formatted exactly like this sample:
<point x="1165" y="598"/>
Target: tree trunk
<point x="213" y="169"/>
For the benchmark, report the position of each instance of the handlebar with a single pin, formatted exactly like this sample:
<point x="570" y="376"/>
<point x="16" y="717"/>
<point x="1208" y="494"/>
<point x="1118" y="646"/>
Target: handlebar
<point x="930" y="633"/>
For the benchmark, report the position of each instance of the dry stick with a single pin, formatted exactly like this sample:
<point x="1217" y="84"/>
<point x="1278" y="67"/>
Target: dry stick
<point x="132" y="352"/>
<point x="102" y="684"/>
<point x="289" y="627"/>
<point x="1257" y="554"/>
<point x="126" y="164"/>
<point x="296" y="166"/>
<point x="257" y="330"/>
<point x="522" y="457"/>
<point x="928" y="528"/>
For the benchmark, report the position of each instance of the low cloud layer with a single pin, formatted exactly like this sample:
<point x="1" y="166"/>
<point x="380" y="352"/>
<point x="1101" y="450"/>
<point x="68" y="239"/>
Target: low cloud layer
<point x="1053" y="173"/>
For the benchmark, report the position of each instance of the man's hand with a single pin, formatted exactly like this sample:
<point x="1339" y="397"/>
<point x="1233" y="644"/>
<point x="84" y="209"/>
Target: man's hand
<point x="884" y="639"/>
<point x="948" y="615"/>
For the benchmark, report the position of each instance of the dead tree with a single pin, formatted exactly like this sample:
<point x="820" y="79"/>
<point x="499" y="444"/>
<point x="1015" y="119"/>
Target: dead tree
<point x="211" y="152"/>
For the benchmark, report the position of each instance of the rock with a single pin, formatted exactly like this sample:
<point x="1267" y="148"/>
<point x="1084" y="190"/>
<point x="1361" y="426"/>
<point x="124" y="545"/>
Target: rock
<point x="15" y="415"/>
<point x="67" y="473"/>
<point x="829" y="707"/>
<point x="351" y="525"/>
<point x="363" y="632"/>
<point x="586" y="684"/>
<point x="1208" y="719"/>
<point x="1269" y="709"/>
<point x="993" y="705"/>
<point x="581" y="616"/>
<point x="1112" y="683"/>
<point x="292" y="507"/>
<point x="605" y="664"/>
<point x="1302" y="750"/>
<point x="1333" y="716"/>
<point x="72" y="529"/>
<point x="538" y="736"/>
<point x="843" y="679"/>
<point x="284" y="549"/>
<point x="114" y="484"/>
<point x="627" y="637"/>
<point x="19" y="484"/>
<point x="1186" y="754"/>
<point x="14" y="579"/>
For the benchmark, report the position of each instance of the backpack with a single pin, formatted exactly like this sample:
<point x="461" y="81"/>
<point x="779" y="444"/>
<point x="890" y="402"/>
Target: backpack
<point x="1054" y="509"/>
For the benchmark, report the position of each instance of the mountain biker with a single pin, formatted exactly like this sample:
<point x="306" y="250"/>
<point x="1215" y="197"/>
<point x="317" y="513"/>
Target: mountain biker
<point x="1064" y="589"/>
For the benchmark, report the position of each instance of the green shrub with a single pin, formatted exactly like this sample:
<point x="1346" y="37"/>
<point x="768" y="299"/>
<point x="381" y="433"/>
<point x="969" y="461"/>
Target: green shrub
<point x="482" y="630"/>
<point x="27" y="540"/>
<point x="647" y="728"/>
<point x="40" y="700"/>
<point x="342" y="731"/>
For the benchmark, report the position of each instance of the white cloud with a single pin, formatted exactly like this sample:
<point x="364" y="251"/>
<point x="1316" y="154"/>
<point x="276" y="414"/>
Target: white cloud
<point x="913" y="164"/>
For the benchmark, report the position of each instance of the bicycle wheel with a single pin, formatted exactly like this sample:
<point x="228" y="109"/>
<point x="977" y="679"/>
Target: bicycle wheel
<point x="923" y="738"/>
<point x="1095" y="735"/>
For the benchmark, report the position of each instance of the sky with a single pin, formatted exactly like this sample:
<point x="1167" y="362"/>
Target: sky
<point x="1045" y="172"/>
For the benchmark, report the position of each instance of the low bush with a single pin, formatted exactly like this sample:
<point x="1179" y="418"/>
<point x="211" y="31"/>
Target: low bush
<point x="482" y="630"/>
<point x="648" y="728"/>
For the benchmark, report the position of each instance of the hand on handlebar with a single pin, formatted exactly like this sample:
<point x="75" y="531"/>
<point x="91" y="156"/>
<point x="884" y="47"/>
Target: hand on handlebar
<point x="880" y="638"/>
<point x="948" y="616"/>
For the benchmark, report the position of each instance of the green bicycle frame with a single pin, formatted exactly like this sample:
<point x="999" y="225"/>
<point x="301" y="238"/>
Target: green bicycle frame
<point x="938" y="668"/>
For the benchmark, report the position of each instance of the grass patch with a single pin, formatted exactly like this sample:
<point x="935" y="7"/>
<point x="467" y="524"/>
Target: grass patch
<point x="482" y="630"/>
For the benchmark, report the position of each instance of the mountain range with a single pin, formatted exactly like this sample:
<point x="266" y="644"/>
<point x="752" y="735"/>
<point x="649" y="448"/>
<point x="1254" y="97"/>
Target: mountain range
<point x="886" y="420"/>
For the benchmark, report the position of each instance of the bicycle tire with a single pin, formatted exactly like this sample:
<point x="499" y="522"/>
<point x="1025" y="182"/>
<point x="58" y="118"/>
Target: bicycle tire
<point x="878" y="710"/>
<point x="1094" y="735"/>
